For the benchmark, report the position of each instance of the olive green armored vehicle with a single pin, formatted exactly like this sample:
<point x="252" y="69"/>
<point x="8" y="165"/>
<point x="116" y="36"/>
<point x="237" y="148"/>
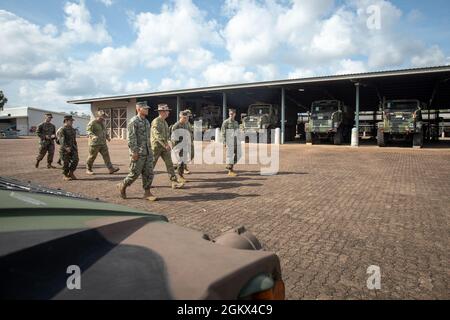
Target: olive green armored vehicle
<point x="59" y="245"/>
<point x="329" y="120"/>
<point x="402" y="121"/>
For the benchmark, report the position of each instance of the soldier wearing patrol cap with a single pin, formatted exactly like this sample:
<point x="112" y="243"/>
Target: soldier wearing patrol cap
<point x="160" y="138"/>
<point x="141" y="162"/>
<point x="68" y="148"/>
<point x="183" y="124"/>
<point x="230" y="137"/>
<point x="98" y="136"/>
<point x="46" y="132"/>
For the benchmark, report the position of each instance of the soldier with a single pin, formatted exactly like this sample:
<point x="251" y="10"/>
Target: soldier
<point x="230" y="137"/>
<point x="141" y="162"/>
<point x="47" y="134"/>
<point x="160" y="143"/>
<point x="68" y="148"/>
<point x="191" y="129"/>
<point x="98" y="136"/>
<point x="181" y="124"/>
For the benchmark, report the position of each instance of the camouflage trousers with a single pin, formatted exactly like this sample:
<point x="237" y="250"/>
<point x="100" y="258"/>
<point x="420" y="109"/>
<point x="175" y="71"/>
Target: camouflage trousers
<point x="158" y="152"/>
<point x="94" y="151"/>
<point x="46" y="147"/>
<point x="69" y="160"/>
<point x="233" y="154"/>
<point x="142" y="166"/>
<point x="180" y="166"/>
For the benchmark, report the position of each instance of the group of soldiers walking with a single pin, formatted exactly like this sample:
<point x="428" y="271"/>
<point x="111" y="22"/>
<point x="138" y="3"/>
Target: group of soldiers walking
<point x="146" y="143"/>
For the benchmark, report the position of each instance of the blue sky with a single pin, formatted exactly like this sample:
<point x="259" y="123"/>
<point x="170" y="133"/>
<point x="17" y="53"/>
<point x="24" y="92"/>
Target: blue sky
<point x="61" y="50"/>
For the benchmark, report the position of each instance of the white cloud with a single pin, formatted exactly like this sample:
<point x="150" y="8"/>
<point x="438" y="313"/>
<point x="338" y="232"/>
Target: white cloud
<point x="430" y="57"/>
<point x="226" y="72"/>
<point x="107" y="3"/>
<point x="181" y="30"/>
<point x="301" y="73"/>
<point x="79" y="27"/>
<point x="348" y="66"/>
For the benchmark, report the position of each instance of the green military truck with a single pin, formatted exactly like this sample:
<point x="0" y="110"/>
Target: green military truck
<point x="402" y="121"/>
<point x="329" y="120"/>
<point x="210" y="116"/>
<point x="260" y="117"/>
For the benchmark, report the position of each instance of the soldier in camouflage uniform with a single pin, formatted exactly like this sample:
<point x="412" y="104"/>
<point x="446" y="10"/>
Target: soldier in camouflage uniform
<point x="46" y="132"/>
<point x="182" y="124"/>
<point x="68" y="148"/>
<point x="98" y="136"/>
<point x="140" y="152"/>
<point x="230" y="137"/>
<point x="160" y="144"/>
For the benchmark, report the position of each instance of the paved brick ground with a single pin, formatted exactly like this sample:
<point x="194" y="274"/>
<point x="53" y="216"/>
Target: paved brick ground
<point x="329" y="214"/>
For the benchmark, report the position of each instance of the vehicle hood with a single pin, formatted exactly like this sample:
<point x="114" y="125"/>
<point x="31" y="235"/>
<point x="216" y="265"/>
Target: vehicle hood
<point x="120" y="256"/>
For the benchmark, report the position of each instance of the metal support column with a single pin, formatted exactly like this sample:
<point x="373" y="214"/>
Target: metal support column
<point x="355" y="130"/>
<point x="283" y="116"/>
<point x="224" y="106"/>
<point x="357" y="107"/>
<point x="178" y="107"/>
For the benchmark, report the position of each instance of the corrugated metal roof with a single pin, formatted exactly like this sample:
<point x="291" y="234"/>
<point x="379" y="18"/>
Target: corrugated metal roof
<point x="274" y="83"/>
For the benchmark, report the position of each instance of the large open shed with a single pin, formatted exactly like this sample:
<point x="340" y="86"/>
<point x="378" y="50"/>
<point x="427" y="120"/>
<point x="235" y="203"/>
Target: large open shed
<point x="361" y="92"/>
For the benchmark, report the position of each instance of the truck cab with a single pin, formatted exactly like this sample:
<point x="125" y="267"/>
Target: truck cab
<point x="402" y="121"/>
<point x="329" y="119"/>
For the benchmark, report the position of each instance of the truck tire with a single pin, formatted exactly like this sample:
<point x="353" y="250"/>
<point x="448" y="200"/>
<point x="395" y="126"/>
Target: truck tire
<point x="418" y="140"/>
<point x="308" y="137"/>
<point x="381" y="138"/>
<point x="338" y="137"/>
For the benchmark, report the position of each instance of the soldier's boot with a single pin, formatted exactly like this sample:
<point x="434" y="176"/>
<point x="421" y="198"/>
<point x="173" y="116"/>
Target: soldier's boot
<point x="177" y="184"/>
<point x="232" y="173"/>
<point x="67" y="178"/>
<point x="186" y="170"/>
<point x="37" y="163"/>
<point x="122" y="190"/>
<point x="113" y="170"/>
<point x="59" y="162"/>
<point x="72" y="176"/>
<point x="182" y="179"/>
<point x="89" y="171"/>
<point x="149" y="196"/>
<point x="50" y="166"/>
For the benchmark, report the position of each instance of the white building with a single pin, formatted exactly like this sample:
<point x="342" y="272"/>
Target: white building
<point x="27" y="119"/>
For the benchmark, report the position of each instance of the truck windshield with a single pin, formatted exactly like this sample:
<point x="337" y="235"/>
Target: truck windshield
<point x="324" y="107"/>
<point x="258" y="110"/>
<point x="402" y="105"/>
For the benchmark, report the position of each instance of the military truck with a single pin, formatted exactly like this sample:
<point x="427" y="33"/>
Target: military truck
<point x="260" y="117"/>
<point x="329" y="120"/>
<point x="210" y="116"/>
<point x="402" y="121"/>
